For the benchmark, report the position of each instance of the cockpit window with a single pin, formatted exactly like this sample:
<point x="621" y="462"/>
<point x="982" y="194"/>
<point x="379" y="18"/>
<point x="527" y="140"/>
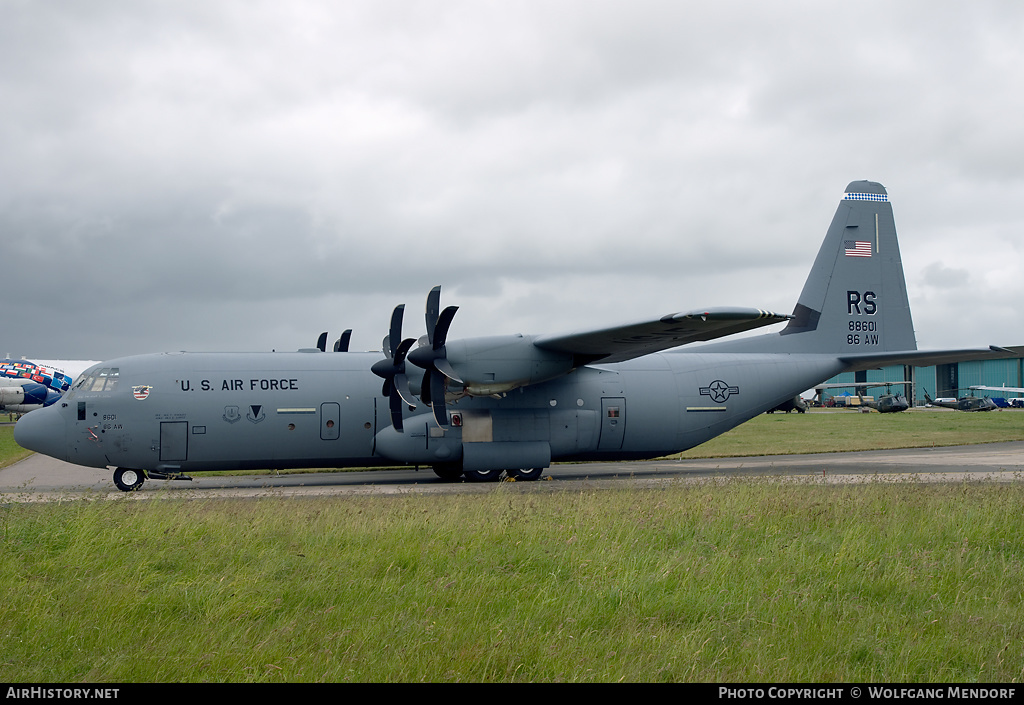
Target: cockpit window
<point x="103" y="379"/>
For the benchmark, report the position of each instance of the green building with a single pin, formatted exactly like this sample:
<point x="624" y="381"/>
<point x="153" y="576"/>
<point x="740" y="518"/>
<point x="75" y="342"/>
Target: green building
<point x="952" y="380"/>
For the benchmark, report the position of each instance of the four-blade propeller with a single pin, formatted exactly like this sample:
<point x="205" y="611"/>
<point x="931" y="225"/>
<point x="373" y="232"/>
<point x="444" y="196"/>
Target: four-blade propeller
<point x="392" y="368"/>
<point x="433" y="358"/>
<point x="430" y="356"/>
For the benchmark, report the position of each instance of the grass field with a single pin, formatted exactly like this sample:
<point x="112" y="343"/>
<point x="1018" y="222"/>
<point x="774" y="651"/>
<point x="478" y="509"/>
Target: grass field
<point x="741" y="581"/>
<point x="737" y="581"/>
<point x="842" y="431"/>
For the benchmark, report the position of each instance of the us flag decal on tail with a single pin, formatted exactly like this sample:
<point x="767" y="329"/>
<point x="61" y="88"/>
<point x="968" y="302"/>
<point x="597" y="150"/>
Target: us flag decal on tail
<point x="857" y="248"/>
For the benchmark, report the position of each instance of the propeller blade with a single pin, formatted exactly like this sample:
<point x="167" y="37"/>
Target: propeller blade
<point x="425" y="387"/>
<point x="445" y="368"/>
<point x="401" y="384"/>
<point x="396" y="329"/>
<point x="441" y="329"/>
<point x="433" y="307"/>
<point x="395" y="402"/>
<point x="403" y="350"/>
<point x="437" y="400"/>
<point x="341" y="344"/>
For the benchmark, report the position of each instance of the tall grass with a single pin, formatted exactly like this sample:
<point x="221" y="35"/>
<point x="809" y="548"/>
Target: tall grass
<point x="729" y="581"/>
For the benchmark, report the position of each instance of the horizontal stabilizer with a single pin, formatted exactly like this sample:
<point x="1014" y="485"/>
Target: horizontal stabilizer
<point x="928" y="358"/>
<point x="628" y="341"/>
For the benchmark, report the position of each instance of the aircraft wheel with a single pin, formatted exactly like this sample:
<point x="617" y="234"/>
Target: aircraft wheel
<point x="482" y="475"/>
<point x="527" y="474"/>
<point x="449" y="472"/>
<point x="128" y="480"/>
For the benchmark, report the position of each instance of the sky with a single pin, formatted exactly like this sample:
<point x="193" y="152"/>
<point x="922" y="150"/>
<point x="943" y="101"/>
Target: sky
<point x="243" y="175"/>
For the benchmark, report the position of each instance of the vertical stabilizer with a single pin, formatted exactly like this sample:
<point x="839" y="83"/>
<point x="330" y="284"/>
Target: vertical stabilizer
<point x="855" y="298"/>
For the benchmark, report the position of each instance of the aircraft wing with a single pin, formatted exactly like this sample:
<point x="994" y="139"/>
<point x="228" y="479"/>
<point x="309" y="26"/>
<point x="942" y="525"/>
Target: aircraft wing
<point x="927" y="358"/>
<point x="625" y="342"/>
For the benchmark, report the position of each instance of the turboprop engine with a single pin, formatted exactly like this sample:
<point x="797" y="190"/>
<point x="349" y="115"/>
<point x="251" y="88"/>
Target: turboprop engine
<point x="497" y="364"/>
<point x="475" y="366"/>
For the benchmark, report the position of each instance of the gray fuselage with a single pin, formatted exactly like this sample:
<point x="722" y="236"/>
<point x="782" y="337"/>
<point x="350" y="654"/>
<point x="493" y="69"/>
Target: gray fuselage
<point x="192" y="412"/>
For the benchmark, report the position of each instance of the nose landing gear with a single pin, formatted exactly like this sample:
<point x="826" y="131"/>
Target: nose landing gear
<point x="128" y="480"/>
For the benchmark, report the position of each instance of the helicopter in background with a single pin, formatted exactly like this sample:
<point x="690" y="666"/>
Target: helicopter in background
<point x="888" y="403"/>
<point x="968" y="403"/>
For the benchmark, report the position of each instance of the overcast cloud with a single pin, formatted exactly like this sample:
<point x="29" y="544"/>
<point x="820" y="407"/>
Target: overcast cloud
<point x="243" y="175"/>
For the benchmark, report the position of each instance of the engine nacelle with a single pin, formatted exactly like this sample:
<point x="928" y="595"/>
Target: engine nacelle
<point x="498" y="364"/>
<point x="26" y="394"/>
<point x="421" y="442"/>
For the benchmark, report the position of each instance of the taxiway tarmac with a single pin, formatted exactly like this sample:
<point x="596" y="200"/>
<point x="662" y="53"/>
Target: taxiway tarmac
<point x="41" y="478"/>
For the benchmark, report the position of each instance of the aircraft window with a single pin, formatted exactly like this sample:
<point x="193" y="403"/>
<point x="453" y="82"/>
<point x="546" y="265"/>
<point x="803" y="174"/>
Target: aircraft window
<point x="102" y="380"/>
<point x="112" y="375"/>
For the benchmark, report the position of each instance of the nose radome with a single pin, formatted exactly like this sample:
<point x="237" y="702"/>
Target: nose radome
<point x="42" y="430"/>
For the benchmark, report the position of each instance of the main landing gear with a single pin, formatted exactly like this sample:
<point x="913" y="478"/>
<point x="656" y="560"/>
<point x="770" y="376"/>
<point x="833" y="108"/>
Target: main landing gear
<point x="129" y="480"/>
<point x="452" y="472"/>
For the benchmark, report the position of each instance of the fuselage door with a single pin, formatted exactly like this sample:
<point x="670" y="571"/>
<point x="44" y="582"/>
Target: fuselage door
<point x="613" y="423"/>
<point x="173" y="441"/>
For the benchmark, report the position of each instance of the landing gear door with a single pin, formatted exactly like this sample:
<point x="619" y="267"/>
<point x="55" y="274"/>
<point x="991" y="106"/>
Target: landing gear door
<point x="613" y="423"/>
<point x="173" y="441"/>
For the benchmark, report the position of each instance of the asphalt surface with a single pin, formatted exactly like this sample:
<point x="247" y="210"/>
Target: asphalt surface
<point x="39" y="478"/>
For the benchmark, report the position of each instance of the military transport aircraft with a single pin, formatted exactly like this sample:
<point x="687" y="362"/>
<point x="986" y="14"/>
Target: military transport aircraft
<point x="478" y="407"/>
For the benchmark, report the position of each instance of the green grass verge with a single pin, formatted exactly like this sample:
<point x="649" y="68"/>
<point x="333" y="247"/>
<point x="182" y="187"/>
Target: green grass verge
<point x="731" y="581"/>
<point x="10" y="452"/>
<point x="844" y="431"/>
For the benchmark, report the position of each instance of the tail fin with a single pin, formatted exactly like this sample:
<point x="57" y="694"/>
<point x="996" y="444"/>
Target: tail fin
<point x="854" y="303"/>
<point x="855" y="298"/>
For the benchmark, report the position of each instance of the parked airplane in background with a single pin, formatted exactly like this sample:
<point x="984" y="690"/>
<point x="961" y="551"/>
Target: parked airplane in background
<point x="970" y="403"/>
<point x="478" y="407"/>
<point x="26" y="386"/>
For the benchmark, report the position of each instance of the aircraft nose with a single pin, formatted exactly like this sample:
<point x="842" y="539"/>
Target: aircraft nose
<point x="41" y="430"/>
